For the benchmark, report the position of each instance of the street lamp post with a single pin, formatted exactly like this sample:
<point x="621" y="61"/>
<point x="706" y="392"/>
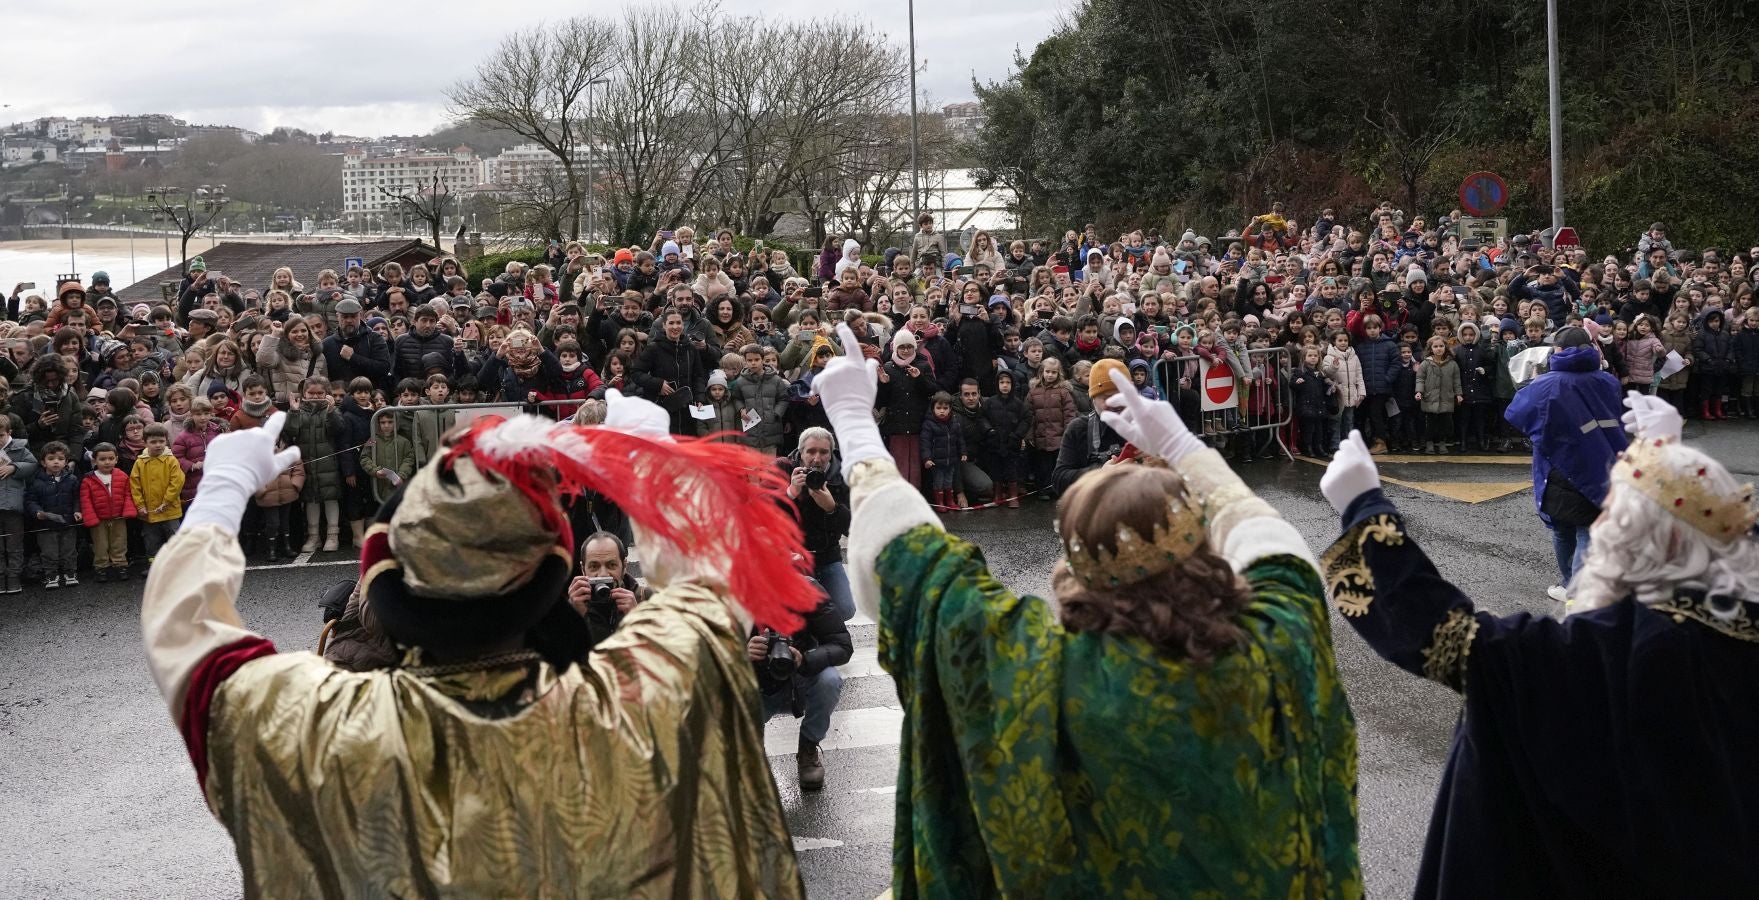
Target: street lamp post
<point x="1557" y="121"/>
<point x="67" y="222"/>
<point x="915" y="177"/>
<point x="591" y="175"/>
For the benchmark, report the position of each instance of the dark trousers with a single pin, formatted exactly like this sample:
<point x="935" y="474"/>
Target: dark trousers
<point x="1375" y="407"/>
<point x="1316" y="437"/>
<point x="155" y="534"/>
<point x="1044" y="468"/>
<point x="11" y="543"/>
<point x="1474" y="423"/>
<point x="1438" y="427"/>
<point x="1408" y="425"/>
<point x="276" y="520"/>
<point x="59" y="546"/>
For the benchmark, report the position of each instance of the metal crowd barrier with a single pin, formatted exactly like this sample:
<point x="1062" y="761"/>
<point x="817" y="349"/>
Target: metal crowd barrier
<point x="468" y="412"/>
<point x="1260" y="414"/>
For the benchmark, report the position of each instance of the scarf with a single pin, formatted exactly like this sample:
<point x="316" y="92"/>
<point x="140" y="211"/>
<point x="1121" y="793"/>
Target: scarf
<point x="134" y="447"/>
<point x="525" y="370"/>
<point x="1086" y="346"/>
<point x="257" y="410"/>
<point x="900" y="360"/>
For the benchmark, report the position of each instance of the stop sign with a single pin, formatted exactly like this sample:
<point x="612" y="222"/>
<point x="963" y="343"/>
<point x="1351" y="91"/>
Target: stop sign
<point x="1565" y="239"/>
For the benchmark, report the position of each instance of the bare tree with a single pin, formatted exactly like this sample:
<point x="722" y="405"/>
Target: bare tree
<point x="863" y="189"/>
<point x="534" y="84"/>
<point x="536" y="208"/>
<point x="427" y="203"/>
<point x="1406" y="143"/>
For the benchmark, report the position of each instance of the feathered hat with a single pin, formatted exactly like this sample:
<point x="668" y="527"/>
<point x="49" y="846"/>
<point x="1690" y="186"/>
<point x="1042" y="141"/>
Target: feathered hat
<point x="476" y="548"/>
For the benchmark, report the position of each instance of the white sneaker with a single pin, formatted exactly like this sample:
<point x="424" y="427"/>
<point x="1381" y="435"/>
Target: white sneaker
<point x="311" y="545"/>
<point x="1558" y="592"/>
<point x="331" y="544"/>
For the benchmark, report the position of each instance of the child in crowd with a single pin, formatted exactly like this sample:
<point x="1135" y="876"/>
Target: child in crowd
<point x="1747" y="356"/>
<point x="106" y="505"/>
<point x="274" y="505"/>
<point x="1009" y="428"/>
<point x="726" y="413"/>
<point x="257" y="405"/>
<point x="315" y="427"/>
<point x="1676" y="336"/>
<point x="1407" y="426"/>
<point x="1345" y="371"/>
<point x="51" y="506"/>
<point x="430" y="424"/>
<point x="943" y="449"/>
<point x="157" y="483"/>
<point x="1313" y="393"/>
<point x="388" y="460"/>
<point x="1438" y="390"/>
<point x="761" y="396"/>
<point x="1050" y="406"/>
<point x="1139" y="371"/>
<point x="178" y="399"/>
<point x="191" y="447"/>
<point x="18" y="466"/>
<point x="1476" y="361"/>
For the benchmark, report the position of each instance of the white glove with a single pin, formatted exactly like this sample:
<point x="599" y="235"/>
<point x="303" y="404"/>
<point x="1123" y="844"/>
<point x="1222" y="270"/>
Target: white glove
<point x="847" y="388"/>
<point x="1351" y="473"/>
<point x="237" y="466"/>
<point x="636" y="416"/>
<point x="1152" y="425"/>
<point x="1651" y="416"/>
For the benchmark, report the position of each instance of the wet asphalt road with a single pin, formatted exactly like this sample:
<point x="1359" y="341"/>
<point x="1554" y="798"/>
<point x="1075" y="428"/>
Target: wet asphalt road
<point x="97" y="799"/>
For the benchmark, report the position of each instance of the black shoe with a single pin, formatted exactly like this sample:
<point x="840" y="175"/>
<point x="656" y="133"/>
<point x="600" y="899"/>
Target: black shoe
<point x="101" y="575"/>
<point x="274" y="551"/>
<point x="812" y="769"/>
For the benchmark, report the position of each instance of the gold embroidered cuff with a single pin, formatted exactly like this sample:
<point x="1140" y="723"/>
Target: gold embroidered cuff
<point x="1345" y="564"/>
<point x="1444" y="660"/>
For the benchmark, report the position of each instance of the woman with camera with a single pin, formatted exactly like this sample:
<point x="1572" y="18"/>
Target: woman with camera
<point x="1176" y="720"/>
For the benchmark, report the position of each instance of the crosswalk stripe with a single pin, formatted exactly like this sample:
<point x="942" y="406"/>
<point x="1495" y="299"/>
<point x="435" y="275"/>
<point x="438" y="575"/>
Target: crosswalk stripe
<point x="873" y="726"/>
<point x="862" y="664"/>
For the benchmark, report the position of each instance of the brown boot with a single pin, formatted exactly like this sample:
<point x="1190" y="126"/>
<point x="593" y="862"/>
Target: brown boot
<point x="1013" y="495"/>
<point x="812" y="769"/>
<point x="1378" y="448"/>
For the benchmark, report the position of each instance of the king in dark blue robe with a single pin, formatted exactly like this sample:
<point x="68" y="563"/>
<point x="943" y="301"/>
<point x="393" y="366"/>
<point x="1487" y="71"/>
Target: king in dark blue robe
<point x="1612" y="754"/>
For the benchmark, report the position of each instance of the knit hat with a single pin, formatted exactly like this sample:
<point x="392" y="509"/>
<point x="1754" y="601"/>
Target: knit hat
<point x="623" y="256"/>
<point x="1099" y="378"/>
<point x="903" y="338"/>
<point x="1508" y="323"/>
<point x="100" y="277"/>
<point x="140" y="311"/>
<point x="1416" y="274"/>
<point x="434" y="359"/>
<point x="198" y="265"/>
<point x="717" y="377"/>
<point x="669" y="248"/>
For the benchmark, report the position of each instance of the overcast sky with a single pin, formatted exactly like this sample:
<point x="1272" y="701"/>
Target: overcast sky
<point x="382" y="68"/>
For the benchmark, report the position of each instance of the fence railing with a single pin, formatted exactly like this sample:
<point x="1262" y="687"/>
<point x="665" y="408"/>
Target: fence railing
<point x="1253" y="403"/>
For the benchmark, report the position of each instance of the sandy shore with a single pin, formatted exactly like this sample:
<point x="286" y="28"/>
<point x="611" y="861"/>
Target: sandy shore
<point x="143" y="245"/>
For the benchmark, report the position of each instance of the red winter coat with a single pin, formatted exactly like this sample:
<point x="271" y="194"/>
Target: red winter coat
<point x="98" y="505"/>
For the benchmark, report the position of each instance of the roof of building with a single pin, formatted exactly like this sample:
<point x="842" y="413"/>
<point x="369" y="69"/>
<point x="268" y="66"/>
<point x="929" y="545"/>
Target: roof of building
<point x="252" y="264"/>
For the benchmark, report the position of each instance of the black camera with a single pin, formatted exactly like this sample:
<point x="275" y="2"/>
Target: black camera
<point x="601" y="596"/>
<point x="815" y="479"/>
<point x="779" y="661"/>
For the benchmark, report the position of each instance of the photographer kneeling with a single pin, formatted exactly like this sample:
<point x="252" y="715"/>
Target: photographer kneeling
<point x="604" y="591"/>
<point x="798" y="673"/>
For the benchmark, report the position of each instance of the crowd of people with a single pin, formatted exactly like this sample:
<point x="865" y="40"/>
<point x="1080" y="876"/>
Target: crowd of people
<point x="1401" y="326"/>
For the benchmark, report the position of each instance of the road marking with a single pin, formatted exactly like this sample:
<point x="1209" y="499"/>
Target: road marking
<point x="862" y="663"/>
<point x="888" y="789"/>
<point x="1523" y="459"/>
<point x="802" y="844"/>
<point x="296" y="564"/>
<point x="874" y="726"/>
<point x="1466" y="491"/>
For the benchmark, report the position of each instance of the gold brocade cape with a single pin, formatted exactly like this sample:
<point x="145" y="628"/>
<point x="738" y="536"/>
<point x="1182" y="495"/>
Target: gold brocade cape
<point x="639" y="774"/>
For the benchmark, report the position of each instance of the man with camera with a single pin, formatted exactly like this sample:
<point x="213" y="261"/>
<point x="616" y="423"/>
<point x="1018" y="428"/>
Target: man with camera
<point x="798" y="673"/>
<point x="821" y="506"/>
<point x="604" y="591"/>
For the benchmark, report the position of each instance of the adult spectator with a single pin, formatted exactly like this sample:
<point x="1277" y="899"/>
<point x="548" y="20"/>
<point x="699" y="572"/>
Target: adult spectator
<point x="673" y="369"/>
<point x="1571" y="416"/>
<point x="50" y="407"/>
<point x="425" y="338"/>
<point x="1548" y="285"/>
<point x="974" y="479"/>
<point x="799" y="675"/>
<point x="821" y="506"/>
<point x="603" y="558"/>
<point x="289" y="355"/>
<point x="354" y="351"/>
<point x="520" y="370"/>
<point x="1088" y="442"/>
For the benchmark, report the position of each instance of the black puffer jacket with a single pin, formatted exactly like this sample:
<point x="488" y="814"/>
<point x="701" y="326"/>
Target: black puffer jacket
<point x="410" y="349"/>
<point x="904" y="398"/>
<point x="685" y="366"/>
<point x="1008" y="423"/>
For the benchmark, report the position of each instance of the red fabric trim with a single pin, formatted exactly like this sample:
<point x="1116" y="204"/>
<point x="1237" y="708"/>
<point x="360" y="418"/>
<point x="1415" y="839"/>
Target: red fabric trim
<point x="214" y="669"/>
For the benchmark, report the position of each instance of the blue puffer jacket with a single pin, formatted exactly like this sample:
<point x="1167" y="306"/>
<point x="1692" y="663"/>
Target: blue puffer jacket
<point x="942" y="442"/>
<point x="1747" y="350"/>
<point x="1571" y="414"/>
<point x="1379" y="358"/>
<point x="56" y="495"/>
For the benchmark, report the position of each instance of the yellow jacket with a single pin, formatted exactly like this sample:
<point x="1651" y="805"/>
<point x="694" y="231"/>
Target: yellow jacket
<point x="156" y="480"/>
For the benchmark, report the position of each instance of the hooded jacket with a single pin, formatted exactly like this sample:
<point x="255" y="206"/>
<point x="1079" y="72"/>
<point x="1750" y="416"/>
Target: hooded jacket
<point x="1571" y="415"/>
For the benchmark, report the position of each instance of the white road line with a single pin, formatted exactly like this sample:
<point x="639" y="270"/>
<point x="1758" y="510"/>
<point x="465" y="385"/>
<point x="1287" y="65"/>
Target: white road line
<point x="888" y="789"/>
<point x="863" y="663"/>
<point x="874" y="726"/>
<point x="860" y="618"/>
<point x="300" y="563"/>
<point x="806" y="843"/>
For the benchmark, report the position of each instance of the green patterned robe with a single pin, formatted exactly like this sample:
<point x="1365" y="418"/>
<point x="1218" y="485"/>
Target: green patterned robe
<point x="1038" y="762"/>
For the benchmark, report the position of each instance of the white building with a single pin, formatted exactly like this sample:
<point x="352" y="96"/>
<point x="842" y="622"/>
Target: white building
<point x="366" y="178"/>
<point x="954" y="199"/>
<point x="20" y="151"/>
<point x="519" y="165"/>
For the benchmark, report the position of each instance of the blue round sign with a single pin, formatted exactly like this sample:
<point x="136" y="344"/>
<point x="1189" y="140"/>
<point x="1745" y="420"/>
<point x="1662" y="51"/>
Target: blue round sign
<point x="1483" y="194"/>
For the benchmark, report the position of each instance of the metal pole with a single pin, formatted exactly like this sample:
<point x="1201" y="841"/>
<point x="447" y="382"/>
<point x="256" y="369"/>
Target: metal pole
<point x="586" y="133"/>
<point x="1557" y="121"/>
<point x="915" y="177"/>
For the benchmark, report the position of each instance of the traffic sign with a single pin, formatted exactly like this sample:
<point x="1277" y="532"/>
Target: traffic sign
<point x="1488" y="232"/>
<point x="1218" y="386"/>
<point x="1483" y="194"/>
<point x="1565" y="239"/>
<point x="352" y="262"/>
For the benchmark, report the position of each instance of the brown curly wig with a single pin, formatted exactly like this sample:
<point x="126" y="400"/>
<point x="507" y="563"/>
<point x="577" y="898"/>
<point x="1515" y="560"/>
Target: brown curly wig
<point x="1188" y="611"/>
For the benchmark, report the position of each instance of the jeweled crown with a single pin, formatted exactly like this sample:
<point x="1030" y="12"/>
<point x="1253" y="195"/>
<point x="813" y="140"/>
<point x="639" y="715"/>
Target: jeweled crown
<point x="1137" y="557"/>
<point x="1685" y="492"/>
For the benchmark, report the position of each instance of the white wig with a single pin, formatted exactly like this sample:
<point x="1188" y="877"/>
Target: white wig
<point x="1638" y="547"/>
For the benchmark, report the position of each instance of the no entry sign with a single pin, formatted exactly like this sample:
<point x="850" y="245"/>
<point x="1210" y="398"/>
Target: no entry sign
<point x="1219" y="390"/>
<point x="1483" y="194"/>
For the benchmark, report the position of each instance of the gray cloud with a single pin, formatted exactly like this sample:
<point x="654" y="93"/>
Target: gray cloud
<point x="382" y="68"/>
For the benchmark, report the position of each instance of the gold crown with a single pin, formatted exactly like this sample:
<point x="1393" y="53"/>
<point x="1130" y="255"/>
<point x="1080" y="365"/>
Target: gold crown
<point x="1137" y="558"/>
<point x="1684" y="492"/>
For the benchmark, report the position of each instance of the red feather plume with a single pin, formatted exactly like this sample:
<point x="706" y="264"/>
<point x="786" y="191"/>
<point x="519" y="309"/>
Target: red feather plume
<point x="720" y="501"/>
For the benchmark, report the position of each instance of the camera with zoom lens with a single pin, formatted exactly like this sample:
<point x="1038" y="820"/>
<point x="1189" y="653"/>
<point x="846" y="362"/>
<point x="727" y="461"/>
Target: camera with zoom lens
<point x="815" y="479"/>
<point x="779" y="661"/>
<point x="601" y="595"/>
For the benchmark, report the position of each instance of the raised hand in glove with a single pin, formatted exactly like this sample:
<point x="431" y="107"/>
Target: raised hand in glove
<point x="1152" y="425"/>
<point x="635" y="415"/>
<point x="1651" y="416"/>
<point x="238" y="465"/>
<point x="1350" y="474"/>
<point x="847" y="388"/>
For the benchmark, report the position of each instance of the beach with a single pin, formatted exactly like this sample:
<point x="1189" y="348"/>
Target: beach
<point x="125" y="261"/>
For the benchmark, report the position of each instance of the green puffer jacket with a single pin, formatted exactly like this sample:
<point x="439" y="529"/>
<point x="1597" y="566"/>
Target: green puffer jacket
<point x="315" y="431"/>
<point x="393" y="454"/>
